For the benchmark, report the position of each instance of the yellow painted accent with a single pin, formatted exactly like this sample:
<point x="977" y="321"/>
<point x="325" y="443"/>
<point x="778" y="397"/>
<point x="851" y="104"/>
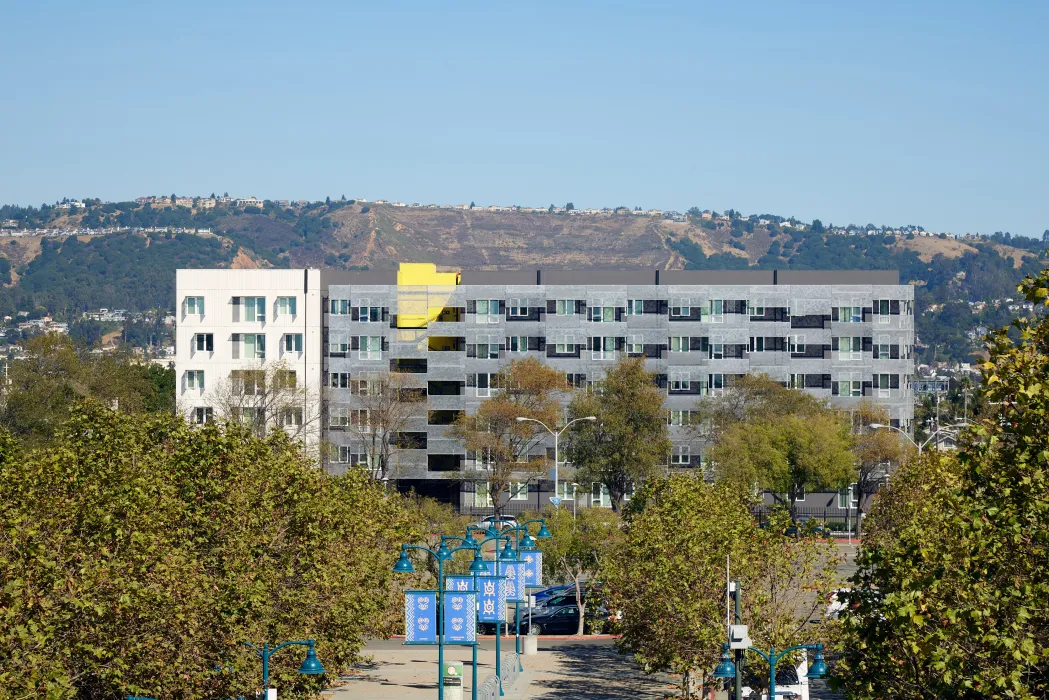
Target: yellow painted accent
<point x="417" y="308"/>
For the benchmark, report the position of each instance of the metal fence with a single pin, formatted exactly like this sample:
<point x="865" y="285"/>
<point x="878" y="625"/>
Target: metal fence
<point x="833" y="519"/>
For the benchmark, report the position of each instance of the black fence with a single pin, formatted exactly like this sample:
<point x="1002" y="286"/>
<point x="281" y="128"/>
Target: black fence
<point x="833" y="519"/>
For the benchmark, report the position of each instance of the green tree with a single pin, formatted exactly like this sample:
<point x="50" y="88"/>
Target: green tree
<point x="569" y="207"/>
<point x="778" y="439"/>
<point x="817" y="226"/>
<point x="953" y="584"/>
<point x="137" y="553"/>
<point x="629" y="441"/>
<point x="503" y="445"/>
<point x="578" y="547"/>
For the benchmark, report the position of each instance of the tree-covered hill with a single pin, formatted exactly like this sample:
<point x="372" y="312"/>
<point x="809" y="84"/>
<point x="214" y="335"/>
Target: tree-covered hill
<point x="136" y="270"/>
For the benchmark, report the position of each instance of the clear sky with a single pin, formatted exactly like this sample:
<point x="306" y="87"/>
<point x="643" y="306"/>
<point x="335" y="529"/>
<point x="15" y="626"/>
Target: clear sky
<point x="932" y="113"/>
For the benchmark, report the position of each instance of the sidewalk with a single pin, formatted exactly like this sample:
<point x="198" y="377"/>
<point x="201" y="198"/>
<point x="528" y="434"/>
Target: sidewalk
<point x="563" y="669"/>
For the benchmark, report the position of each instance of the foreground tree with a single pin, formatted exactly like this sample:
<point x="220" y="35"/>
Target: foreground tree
<point x="876" y="452"/>
<point x="778" y="439"/>
<point x="138" y="553"/>
<point x="667" y="577"/>
<point x="953" y="584"/>
<point x="629" y="441"/>
<point x="578" y="548"/>
<point x="502" y="444"/>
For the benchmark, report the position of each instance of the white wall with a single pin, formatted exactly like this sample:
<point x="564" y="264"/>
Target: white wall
<point x="218" y="287"/>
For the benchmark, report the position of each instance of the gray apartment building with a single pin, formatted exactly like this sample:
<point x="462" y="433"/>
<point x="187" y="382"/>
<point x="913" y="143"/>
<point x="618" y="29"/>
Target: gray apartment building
<point x="845" y="336"/>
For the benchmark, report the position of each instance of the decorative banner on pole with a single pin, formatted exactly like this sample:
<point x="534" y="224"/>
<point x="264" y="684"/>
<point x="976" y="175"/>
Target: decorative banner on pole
<point x="420" y="617"/>
<point x="492" y="590"/>
<point x="460" y="620"/>
<point x="515" y="581"/>
<point x="459" y="583"/>
<point x="533" y="559"/>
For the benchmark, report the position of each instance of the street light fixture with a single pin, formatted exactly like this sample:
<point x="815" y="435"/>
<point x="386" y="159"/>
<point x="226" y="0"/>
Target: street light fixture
<point x="311" y="665"/>
<point x="557" y="435"/>
<point x="725" y="667"/>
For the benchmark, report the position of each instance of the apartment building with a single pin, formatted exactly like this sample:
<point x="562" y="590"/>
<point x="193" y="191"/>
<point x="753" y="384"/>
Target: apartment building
<point x="846" y="336"/>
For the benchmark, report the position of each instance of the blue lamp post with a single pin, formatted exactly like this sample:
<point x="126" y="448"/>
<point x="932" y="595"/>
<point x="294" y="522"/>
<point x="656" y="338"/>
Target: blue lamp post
<point x="727" y="669"/>
<point x="525" y="542"/>
<point x="499" y="555"/>
<point x="442" y="554"/>
<point x="311" y="665"/>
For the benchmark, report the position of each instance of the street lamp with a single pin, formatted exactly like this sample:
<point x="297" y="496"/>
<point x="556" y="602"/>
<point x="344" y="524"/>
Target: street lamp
<point x="311" y="665"/>
<point x="727" y="669"/>
<point x="442" y="554"/>
<point x="882" y="426"/>
<point x="525" y="542"/>
<point x="556" y="434"/>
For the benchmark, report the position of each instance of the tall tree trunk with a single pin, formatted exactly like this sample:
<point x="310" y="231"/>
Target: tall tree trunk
<point x="582" y="607"/>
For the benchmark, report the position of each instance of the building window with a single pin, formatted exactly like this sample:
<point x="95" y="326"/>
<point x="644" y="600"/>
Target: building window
<point x="564" y="307"/>
<point x="849" y="384"/>
<point x="680" y="380"/>
<point x="717" y="310"/>
<point x="565" y="345"/>
<point x="252" y="309"/>
<point x="366" y="384"/>
<point x="195" y="379"/>
<point x="195" y="305"/>
<point x="850" y="314"/>
<point x="883" y="384"/>
<point x="359" y="417"/>
<point x="339" y="307"/>
<point x="717" y="351"/>
<point x="287" y="306"/>
<point x="488" y="311"/>
<point x="371" y="347"/>
<point x="716" y="384"/>
<point x="881" y="310"/>
<point x="339" y="416"/>
<point x="293" y="342"/>
<point x="881" y="349"/>
<point x="797" y="344"/>
<point x="518" y="308"/>
<point x="290" y="418"/>
<point x="755" y="308"/>
<point x="797" y="381"/>
<point x="338" y="344"/>
<point x="204" y="342"/>
<point x="756" y="344"/>
<point x="518" y="344"/>
<point x="368" y="314"/>
<point x="248" y="382"/>
<point x="601" y="314"/>
<point x="486" y="348"/>
<point x="635" y="346"/>
<point x="680" y="455"/>
<point x="680" y="418"/>
<point x="518" y="491"/>
<point x="484" y="384"/>
<point x="202" y="414"/>
<point x="603" y="348"/>
<point x="679" y="343"/>
<point x="680" y="307"/>
<point x="482" y="495"/>
<point x="799" y="495"/>
<point x="339" y="380"/>
<point x="849" y="348"/>
<point x="635" y="307"/>
<point x="566" y="491"/>
<point x="249" y="346"/>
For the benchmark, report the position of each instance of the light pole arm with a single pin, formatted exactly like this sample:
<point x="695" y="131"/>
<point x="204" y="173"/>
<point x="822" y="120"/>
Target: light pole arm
<point x="277" y="648"/>
<point x="253" y="648"/>
<point x="762" y="654"/>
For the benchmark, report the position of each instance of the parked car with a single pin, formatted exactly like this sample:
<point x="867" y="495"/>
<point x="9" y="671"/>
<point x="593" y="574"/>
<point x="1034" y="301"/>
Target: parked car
<point x="563" y="620"/>
<point x="552" y="591"/>
<point x="498" y="521"/>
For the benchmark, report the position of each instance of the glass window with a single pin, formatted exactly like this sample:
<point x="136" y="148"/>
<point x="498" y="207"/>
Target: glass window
<point x="755" y="308"/>
<point x="371" y="347"/>
<point x="482" y="495"/>
<point x="757" y="344"/>
<point x="254" y="346"/>
<point x="340" y="307"/>
<point x="848" y="497"/>
<point x="338" y="343"/>
<point x="202" y="414"/>
<point x="518" y="307"/>
<point x="850" y="348"/>
<point x="565" y="345"/>
<point x="195" y="305"/>
<point x="635" y="346"/>
<point x="680" y="380"/>
<point x="287" y="306"/>
<point x="717" y="351"/>
<point x="635" y="307"/>
<point x="716" y="383"/>
<point x="601" y="314"/>
<point x="797" y="343"/>
<point x="204" y="342"/>
<point x="339" y="416"/>
<point x="599" y="496"/>
<point x="518" y="344"/>
<point x="339" y="380"/>
<point x="484" y="384"/>
<point x="253" y="309"/>
<point x="680" y="455"/>
<point x="293" y="342"/>
<point x="680" y="307"/>
<point x="518" y="491"/>
<point x="679" y="343"/>
<point x="566" y="491"/>
<point x="717" y="310"/>
<point x="290" y="418"/>
<point x="195" y="379"/>
<point x="564" y="307"/>
<point x="603" y="348"/>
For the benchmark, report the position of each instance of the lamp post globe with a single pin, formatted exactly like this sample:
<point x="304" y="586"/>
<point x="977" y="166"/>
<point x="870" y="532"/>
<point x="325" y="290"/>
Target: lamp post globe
<point x="311" y="665"/>
<point x="725" y="667"/>
<point x="404" y="564"/>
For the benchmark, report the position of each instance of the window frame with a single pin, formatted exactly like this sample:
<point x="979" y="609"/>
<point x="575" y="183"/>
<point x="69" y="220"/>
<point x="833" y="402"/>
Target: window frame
<point x="192" y="304"/>
<point x="287" y="306"/>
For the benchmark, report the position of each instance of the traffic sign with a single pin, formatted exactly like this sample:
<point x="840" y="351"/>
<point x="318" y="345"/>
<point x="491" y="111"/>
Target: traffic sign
<point x="556" y="500"/>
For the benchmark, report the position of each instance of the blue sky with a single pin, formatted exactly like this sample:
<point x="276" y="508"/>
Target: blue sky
<point x="890" y="112"/>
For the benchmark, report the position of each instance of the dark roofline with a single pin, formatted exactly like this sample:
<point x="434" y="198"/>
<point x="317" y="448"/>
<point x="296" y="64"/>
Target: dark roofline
<point x="592" y="277"/>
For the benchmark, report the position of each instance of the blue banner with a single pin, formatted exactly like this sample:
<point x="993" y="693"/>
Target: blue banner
<point x="492" y="592"/>
<point x="459" y="583"/>
<point x="420" y="617"/>
<point x="533" y="559"/>
<point x="515" y="581"/>
<point x="460" y="618"/>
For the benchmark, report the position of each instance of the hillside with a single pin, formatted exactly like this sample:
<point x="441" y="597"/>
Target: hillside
<point x="136" y="270"/>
